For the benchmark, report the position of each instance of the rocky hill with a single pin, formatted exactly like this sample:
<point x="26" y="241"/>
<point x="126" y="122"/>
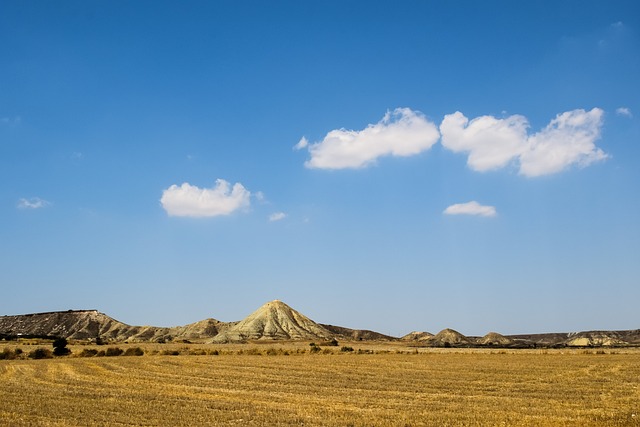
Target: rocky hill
<point x="95" y="326"/>
<point x="277" y="321"/>
<point x="274" y="320"/>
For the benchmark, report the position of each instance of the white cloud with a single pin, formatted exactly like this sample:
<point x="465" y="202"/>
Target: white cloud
<point x="470" y="208"/>
<point x="624" y="111"/>
<point x="401" y="133"/>
<point x="569" y="139"/>
<point x="303" y="143"/>
<point x="189" y="200"/>
<point x="493" y="143"/>
<point x="33" y="203"/>
<point x="277" y="216"/>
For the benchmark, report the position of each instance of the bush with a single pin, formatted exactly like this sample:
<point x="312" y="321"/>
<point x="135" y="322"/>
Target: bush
<point x="40" y="353"/>
<point x="60" y="347"/>
<point x="114" y="351"/>
<point x="134" y="351"/>
<point x="88" y="352"/>
<point x="346" y="349"/>
<point x="7" y="354"/>
<point x="313" y="348"/>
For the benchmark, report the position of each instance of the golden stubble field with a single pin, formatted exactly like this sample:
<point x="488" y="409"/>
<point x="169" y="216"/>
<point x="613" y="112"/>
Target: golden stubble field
<point x="261" y="385"/>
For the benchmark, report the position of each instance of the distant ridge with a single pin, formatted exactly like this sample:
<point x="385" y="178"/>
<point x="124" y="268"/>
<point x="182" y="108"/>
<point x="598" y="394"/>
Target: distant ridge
<point x="496" y="339"/>
<point x="275" y="320"/>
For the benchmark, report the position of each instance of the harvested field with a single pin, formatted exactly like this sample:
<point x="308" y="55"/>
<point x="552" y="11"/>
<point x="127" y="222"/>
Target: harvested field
<point x="338" y="389"/>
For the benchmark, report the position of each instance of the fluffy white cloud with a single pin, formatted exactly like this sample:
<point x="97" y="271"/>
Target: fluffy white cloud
<point x="470" y="208"/>
<point x="493" y="143"/>
<point x="277" y="216"/>
<point x="33" y="203"/>
<point x="624" y="111"/>
<point x="189" y="200"/>
<point x="490" y="142"/>
<point x="402" y="132"/>
<point x="569" y="139"/>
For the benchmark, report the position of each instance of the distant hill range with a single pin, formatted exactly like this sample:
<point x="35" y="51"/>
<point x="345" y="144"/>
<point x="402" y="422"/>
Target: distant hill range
<point x="277" y="321"/>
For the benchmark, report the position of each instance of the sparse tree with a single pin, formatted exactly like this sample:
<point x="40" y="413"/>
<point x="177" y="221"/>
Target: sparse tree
<point x="60" y="347"/>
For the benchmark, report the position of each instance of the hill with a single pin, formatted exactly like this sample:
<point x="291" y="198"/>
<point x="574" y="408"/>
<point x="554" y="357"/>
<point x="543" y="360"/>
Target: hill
<point x="274" y="320"/>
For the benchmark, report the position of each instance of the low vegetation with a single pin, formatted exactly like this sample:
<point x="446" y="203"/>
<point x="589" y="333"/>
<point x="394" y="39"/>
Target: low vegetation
<point x="292" y="384"/>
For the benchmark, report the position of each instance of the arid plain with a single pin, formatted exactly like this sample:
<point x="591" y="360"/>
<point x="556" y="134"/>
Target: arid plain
<point x="294" y="383"/>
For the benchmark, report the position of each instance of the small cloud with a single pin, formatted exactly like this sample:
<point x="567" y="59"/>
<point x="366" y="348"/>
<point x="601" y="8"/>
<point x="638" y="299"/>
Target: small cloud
<point x="400" y="133"/>
<point x="470" y="208"/>
<point x="33" y="203"/>
<point x="259" y="195"/>
<point x="301" y="144"/>
<point x="277" y="216"/>
<point x="191" y="201"/>
<point x="76" y="155"/>
<point x="493" y="143"/>
<point x="624" y="111"/>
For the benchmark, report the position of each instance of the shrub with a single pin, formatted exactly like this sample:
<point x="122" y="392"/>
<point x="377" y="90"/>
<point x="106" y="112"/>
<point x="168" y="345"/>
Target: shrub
<point x="40" y="353"/>
<point x="60" y="347"/>
<point x="113" y="351"/>
<point x="346" y="349"/>
<point x="7" y="354"/>
<point x="313" y="348"/>
<point x="134" y="351"/>
<point x="89" y="352"/>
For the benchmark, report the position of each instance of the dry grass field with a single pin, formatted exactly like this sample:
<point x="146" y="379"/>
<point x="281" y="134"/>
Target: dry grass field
<point x="264" y="386"/>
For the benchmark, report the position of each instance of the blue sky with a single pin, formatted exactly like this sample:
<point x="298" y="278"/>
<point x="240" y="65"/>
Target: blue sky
<point x="394" y="167"/>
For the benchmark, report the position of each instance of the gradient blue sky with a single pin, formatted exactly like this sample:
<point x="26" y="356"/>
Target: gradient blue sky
<point x="108" y="107"/>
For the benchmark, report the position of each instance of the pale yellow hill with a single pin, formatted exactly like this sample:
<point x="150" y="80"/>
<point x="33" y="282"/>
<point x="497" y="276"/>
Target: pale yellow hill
<point x="274" y="320"/>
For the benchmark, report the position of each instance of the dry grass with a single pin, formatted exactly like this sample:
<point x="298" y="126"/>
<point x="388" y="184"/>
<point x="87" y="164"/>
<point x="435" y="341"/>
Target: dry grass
<point x="285" y="385"/>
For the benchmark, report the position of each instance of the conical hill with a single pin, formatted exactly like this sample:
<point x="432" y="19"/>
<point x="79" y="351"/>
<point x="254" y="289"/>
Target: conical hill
<point x="274" y="320"/>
